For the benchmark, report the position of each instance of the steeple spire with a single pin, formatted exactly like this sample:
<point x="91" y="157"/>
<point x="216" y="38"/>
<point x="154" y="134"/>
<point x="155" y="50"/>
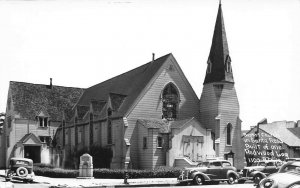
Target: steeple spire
<point x="219" y="62"/>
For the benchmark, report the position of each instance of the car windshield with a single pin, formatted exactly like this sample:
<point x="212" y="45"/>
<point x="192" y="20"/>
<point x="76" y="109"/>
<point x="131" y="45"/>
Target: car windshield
<point x="203" y="164"/>
<point x="260" y="163"/>
<point x="290" y="168"/>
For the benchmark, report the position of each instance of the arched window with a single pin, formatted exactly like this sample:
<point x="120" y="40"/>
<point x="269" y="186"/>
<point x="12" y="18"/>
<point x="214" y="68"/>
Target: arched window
<point x="228" y="133"/>
<point x="170" y="99"/>
<point x="228" y="64"/>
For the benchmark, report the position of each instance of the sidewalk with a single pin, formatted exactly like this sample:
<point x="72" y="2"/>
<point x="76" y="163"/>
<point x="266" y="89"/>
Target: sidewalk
<point x="93" y="183"/>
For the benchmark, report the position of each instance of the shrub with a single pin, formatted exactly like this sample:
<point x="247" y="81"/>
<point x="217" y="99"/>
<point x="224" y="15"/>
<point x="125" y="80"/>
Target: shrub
<point x="55" y="172"/>
<point x="105" y="173"/>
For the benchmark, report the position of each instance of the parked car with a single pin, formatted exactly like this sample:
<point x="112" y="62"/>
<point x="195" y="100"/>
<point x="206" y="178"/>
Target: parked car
<point x="288" y="176"/>
<point x="20" y="169"/>
<point x="209" y="171"/>
<point x="292" y="159"/>
<point x="259" y="170"/>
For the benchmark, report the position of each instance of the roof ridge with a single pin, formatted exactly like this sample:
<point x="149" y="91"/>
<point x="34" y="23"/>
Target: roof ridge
<point x="44" y="84"/>
<point x="120" y="75"/>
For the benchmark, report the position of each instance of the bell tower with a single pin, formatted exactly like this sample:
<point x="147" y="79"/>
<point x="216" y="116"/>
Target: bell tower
<point x="219" y="106"/>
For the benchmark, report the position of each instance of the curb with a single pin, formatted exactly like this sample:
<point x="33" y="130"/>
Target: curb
<point x="127" y="185"/>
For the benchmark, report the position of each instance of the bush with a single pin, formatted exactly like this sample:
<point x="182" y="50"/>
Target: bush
<point x="55" y="172"/>
<point x="103" y="173"/>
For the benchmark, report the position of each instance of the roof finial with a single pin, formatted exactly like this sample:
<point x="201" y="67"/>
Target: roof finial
<point x="220" y="2"/>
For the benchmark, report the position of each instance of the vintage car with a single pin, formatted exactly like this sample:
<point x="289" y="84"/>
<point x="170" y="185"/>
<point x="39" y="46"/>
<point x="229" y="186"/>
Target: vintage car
<point x="292" y="159"/>
<point x="212" y="171"/>
<point x="259" y="170"/>
<point x="288" y="176"/>
<point x="20" y="169"/>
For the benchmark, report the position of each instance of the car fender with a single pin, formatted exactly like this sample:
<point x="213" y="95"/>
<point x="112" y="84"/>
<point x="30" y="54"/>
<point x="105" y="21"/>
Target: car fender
<point x="232" y="172"/>
<point x="254" y="173"/>
<point x="205" y="176"/>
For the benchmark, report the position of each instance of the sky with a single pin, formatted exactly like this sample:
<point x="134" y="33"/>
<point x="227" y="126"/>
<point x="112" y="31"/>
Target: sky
<point x="80" y="43"/>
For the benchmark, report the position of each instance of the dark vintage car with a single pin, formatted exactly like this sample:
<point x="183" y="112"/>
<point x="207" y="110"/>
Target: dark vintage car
<point x="259" y="170"/>
<point x="288" y="176"/>
<point x="292" y="159"/>
<point x="20" y="169"/>
<point x="209" y="171"/>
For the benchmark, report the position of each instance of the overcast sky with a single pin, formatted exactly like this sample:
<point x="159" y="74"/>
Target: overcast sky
<point x="84" y="42"/>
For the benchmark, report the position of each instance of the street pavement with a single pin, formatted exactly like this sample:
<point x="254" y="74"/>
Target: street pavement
<point x="76" y="182"/>
<point x="46" y="182"/>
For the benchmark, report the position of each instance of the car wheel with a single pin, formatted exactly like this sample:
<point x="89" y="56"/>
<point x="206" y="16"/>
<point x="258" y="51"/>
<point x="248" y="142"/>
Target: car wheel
<point x="257" y="178"/>
<point x="231" y="179"/>
<point x="198" y="180"/>
<point x="22" y="171"/>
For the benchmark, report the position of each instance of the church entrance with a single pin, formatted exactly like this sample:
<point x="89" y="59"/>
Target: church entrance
<point x="192" y="147"/>
<point x="33" y="152"/>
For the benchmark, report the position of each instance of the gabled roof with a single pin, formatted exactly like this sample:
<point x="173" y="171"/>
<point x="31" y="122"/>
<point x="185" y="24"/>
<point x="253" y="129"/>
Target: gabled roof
<point x="219" y="53"/>
<point x="30" y="99"/>
<point x="124" y="89"/>
<point x="30" y="139"/>
<point x="279" y="130"/>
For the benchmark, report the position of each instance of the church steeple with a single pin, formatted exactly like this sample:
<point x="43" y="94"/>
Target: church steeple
<point x="219" y="62"/>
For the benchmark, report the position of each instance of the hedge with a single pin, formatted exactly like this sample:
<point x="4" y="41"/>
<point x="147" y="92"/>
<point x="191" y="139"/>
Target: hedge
<point x="103" y="173"/>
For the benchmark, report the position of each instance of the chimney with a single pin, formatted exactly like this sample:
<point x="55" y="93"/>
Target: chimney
<point x="153" y="57"/>
<point x="50" y="86"/>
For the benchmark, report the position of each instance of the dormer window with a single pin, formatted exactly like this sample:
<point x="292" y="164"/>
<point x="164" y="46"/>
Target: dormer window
<point x="43" y="121"/>
<point x="228" y="64"/>
<point x="170" y="99"/>
<point x="209" y="66"/>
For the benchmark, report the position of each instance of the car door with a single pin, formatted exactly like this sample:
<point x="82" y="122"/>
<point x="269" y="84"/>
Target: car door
<point x="225" y="167"/>
<point x="214" y="170"/>
<point x="270" y="168"/>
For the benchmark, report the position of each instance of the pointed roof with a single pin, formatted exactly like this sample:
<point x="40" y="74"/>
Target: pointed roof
<point x="124" y="89"/>
<point x="30" y="139"/>
<point x="219" y="54"/>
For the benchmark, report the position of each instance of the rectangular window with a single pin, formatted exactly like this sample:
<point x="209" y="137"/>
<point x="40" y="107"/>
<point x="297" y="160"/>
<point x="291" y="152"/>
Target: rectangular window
<point x="159" y="141"/>
<point x="43" y="121"/>
<point x="79" y="135"/>
<point x="45" y="140"/>
<point x="67" y="138"/>
<point x="109" y="132"/>
<point x="145" y="142"/>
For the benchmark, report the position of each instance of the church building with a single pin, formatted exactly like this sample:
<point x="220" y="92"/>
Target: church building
<point x="144" y="118"/>
<point x="151" y="116"/>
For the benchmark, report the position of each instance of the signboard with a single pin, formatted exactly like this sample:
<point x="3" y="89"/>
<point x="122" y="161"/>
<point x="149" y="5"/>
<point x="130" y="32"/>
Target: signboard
<point x="263" y="146"/>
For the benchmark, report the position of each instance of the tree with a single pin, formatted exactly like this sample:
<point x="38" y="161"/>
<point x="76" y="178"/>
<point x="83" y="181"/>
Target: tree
<point x="2" y="120"/>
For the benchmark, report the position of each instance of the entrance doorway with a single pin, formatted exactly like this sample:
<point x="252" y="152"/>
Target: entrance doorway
<point x="192" y="147"/>
<point x="33" y="152"/>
